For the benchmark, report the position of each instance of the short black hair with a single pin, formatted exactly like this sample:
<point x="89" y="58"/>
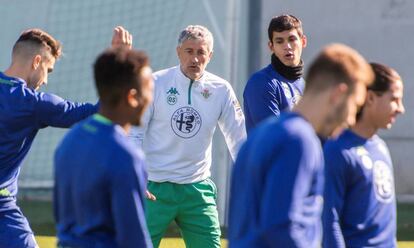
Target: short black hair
<point x="384" y="77"/>
<point x="117" y="70"/>
<point x="283" y="23"/>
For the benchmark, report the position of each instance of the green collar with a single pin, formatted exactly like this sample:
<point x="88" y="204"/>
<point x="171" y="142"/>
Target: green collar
<point x="102" y="119"/>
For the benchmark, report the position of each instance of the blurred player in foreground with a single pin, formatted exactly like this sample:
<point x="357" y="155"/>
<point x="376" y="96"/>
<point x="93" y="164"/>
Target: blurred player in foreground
<point x="23" y="112"/>
<point x="276" y="192"/>
<point x="100" y="179"/>
<point x="360" y="205"/>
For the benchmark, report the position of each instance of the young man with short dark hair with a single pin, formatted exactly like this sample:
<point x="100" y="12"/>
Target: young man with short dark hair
<point x="23" y="112"/>
<point x="278" y="86"/>
<point x="360" y="204"/>
<point x="277" y="182"/>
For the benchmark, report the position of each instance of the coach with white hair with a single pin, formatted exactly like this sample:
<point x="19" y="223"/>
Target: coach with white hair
<point x="177" y="138"/>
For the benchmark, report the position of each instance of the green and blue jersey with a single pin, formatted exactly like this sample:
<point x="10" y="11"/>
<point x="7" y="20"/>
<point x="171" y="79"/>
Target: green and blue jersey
<point x="100" y="183"/>
<point x="23" y="111"/>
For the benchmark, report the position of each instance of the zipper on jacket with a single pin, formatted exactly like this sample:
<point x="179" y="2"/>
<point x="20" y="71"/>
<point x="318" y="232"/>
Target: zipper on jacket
<point x="189" y="91"/>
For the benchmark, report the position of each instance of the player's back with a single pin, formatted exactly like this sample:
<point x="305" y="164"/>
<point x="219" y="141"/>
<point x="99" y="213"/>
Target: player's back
<point x="97" y="172"/>
<point x="275" y="198"/>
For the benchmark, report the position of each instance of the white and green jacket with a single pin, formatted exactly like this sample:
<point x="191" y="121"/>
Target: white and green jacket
<point x="178" y="126"/>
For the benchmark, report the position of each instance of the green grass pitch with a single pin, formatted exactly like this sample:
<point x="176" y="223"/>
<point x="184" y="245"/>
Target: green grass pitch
<point x="40" y="217"/>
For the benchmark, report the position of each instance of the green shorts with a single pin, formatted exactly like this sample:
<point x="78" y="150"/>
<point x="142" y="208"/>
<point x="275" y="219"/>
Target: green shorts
<point x="192" y="206"/>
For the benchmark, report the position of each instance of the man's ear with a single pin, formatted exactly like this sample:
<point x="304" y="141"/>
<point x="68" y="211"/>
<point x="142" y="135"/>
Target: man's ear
<point x="370" y="98"/>
<point x="338" y="92"/>
<point x="270" y="45"/>
<point x="132" y="98"/>
<point x="177" y="49"/>
<point x="210" y="55"/>
<point x="37" y="59"/>
<point x="304" y="41"/>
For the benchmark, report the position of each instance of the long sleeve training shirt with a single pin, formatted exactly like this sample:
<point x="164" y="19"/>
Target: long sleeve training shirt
<point x="100" y="183"/>
<point x="267" y="93"/>
<point x="277" y="186"/>
<point x="23" y="112"/>
<point x="180" y="123"/>
<point x="360" y="207"/>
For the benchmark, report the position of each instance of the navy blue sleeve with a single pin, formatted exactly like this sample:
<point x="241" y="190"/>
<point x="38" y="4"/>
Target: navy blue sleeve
<point x="127" y="203"/>
<point x="334" y="193"/>
<point x="288" y="182"/>
<point x="52" y="110"/>
<point x="243" y="180"/>
<point x="260" y="99"/>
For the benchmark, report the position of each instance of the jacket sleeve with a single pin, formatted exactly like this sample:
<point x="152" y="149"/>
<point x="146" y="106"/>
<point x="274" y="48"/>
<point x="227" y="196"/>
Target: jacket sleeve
<point x="52" y="110"/>
<point x="128" y="184"/>
<point x="335" y="178"/>
<point x="261" y="99"/>
<point x="231" y="122"/>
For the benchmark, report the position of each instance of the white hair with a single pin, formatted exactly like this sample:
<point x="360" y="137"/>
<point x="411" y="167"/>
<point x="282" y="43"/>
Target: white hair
<point x="196" y="32"/>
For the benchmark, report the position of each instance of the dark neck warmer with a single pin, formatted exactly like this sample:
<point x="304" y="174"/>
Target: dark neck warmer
<point x="289" y="72"/>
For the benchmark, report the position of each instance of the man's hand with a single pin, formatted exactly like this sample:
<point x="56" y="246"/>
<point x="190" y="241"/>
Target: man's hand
<point x="121" y="37"/>
<point x="150" y="196"/>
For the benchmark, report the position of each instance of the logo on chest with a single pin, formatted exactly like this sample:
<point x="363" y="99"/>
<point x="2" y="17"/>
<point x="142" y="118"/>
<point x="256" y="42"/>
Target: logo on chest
<point x="382" y="176"/>
<point x="172" y="96"/>
<point x="292" y="94"/>
<point x="186" y="122"/>
<point x="206" y="93"/>
<point x="383" y="181"/>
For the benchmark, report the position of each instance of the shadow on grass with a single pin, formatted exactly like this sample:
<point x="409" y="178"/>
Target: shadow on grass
<point x="40" y="215"/>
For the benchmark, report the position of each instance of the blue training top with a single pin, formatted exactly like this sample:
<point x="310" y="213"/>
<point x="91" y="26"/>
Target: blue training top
<point x="267" y="93"/>
<point x="360" y="208"/>
<point x="277" y="186"/>
<point x="100" y="183"/>
<point x="23" y="111"/>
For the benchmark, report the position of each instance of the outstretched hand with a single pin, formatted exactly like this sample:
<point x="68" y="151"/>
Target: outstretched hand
<point x="121" y="37"/>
